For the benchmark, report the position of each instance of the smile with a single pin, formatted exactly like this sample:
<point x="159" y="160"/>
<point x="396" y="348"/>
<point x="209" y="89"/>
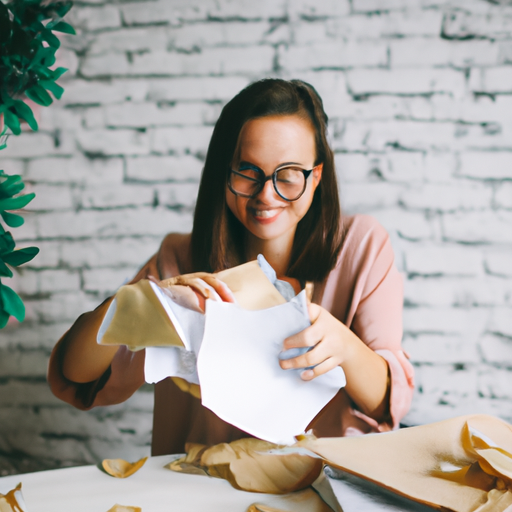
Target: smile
<point x="265" y="215"/>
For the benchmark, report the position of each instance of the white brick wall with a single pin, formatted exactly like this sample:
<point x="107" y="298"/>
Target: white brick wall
<point x="419" y="95"/>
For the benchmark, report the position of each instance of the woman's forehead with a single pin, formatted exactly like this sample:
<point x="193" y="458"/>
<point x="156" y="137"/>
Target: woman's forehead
<point x="275" y="139"/>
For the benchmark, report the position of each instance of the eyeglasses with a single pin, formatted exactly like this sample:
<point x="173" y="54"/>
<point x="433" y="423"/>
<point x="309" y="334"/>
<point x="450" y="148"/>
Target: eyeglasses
<point x="249" y="180"/>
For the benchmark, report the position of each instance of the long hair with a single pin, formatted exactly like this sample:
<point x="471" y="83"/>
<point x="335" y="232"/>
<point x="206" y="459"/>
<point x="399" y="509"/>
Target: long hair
<point x="217" y="236"/>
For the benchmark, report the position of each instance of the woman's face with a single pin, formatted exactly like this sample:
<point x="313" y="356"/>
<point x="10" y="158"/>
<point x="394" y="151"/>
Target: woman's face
<point x="270" y="143"/>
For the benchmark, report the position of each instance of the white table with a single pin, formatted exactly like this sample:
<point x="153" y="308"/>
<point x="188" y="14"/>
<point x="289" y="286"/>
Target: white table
<point x="156" y="489"/>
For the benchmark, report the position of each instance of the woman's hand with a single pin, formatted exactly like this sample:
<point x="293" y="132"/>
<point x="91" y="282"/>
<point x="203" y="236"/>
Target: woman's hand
<point x="192" y="290"/>
<point x="334" y="344"/>
<point x="330" y="342"/>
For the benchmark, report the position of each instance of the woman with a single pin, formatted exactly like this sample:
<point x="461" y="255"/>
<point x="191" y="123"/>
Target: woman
<point x="269" y="187"/>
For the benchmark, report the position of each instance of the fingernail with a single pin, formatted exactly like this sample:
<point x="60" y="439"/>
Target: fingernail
<point x="306" y="374"/>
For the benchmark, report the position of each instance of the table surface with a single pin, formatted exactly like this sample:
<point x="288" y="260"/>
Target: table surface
<point x="156" y="489"/>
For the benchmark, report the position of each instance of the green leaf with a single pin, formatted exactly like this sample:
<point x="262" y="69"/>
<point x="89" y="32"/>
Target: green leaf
<point x="50" y="38"/>
<point x="15" y="203"/>
<point x="54" y="88"/>
<point x="11" y="303"/>
<point x="6" y="243"/>
<point x="57" y="72"/>
<point x="5" y="271"/>
<point x="4" y="318"/>
<point x="12" y="220"/>
<point x="11" y="186"/>
<point x="17" y="258"/>
<point x="12" y="121"/>
<point x="64" y="27"/>
<point x="39" y="95"/>
<point x="25" y="112"/>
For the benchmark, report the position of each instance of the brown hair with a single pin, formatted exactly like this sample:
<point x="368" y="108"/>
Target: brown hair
<point x="217" y="236"/>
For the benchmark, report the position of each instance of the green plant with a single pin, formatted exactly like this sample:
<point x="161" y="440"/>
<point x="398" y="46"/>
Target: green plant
<point x="27" y="53"/>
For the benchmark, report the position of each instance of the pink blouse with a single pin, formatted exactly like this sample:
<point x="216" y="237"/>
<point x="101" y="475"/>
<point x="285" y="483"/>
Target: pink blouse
<point x="364" y="291"/>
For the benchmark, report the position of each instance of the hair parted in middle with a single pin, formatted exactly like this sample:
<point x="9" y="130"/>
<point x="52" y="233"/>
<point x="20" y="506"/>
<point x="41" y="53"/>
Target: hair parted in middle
<point x="217" y="236"/>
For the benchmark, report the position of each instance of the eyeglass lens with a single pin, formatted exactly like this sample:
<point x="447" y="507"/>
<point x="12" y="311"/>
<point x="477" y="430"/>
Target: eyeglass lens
<point x="289" y="182"/>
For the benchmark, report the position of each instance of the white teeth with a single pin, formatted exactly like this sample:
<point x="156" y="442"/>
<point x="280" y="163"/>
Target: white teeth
<point x="265" y="214"/>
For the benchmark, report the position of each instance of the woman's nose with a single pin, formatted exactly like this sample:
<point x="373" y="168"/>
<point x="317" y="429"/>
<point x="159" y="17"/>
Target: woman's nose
<point x="268" y="192"/>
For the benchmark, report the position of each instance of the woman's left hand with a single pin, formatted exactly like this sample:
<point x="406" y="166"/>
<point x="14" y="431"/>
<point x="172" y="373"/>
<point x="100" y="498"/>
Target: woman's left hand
<point x="333" y="344"/>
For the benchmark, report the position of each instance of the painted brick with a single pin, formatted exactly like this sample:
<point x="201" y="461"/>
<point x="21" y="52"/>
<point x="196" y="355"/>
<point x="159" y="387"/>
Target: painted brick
<point x="496" y="349"/>
<point x="487" y="292"/>
<point x="115" y="196"/>
<point x="162" y="12"/>
<point x="11" y="166"/>
<point x="333" y="55"/>
<point x="107" y="280"/>
<point x="505" y="53"/>
<point x="439" y="349"/>
<point x="76" y="170"/>
<point x="501" y="322"/>
<point x="178" y="194"/>
<point x="486" y="165"/>
<point x="503" y="196"/>
<point x="413" y="226"/>
<point x="443" y="197"/>
<point x="181" y="141"/>
<point x="23" y="363"/>
<point x="467" y="322"/>
<point x="113" y="142"/>
<point x="427" y="259"/>
<point x="440" y="167"/>
<point x="495" y="383"/>
<point x="30" y="336"/>
<point x="37" y="282"/>
<point x="155" y="169"/>
<point x="39" y="144"/>
<point x="195" y="88"/>
<point x="497" y="262"/>
<point x="482" y="227"/>
<point x="464" y="24"/>
<point x="144" y="115"/>
<point x="48" y="256"/>
<point x="56" y="117"/>
<point x="108" y="252"/>
<point x="118" y="222"/>
<point x="60" y="307"/>
<point x="210" y="61"/>
<point x="494" y="80"/>
<point x="129" y="40"/>
<point x="367" y="197"/>
<point x="359" y="26"/>
<point x="52" y="197"/>
<point x="422" y="52"/>
<point x="352" y="167"/>
<point x="406" y="81"/>
<point x="95" y="18"/>
<point x="83" y="92"/>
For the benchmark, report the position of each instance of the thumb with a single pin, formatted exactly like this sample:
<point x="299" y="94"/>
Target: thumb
<point x="314" y="311"/>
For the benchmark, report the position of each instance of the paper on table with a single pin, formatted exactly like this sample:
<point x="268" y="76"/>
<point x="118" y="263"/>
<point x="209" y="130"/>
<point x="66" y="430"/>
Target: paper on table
<point x="241" y="380"/>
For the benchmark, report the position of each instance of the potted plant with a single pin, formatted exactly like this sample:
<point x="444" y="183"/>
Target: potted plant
<point x="27" y="54"/>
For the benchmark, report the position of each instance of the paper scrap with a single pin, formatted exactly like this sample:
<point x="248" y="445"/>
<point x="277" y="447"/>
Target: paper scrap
<point x="241" y="380"/>
<point x="12" y="501"/>
<point x="124" y="508"/>
<point x="120" y="468"/>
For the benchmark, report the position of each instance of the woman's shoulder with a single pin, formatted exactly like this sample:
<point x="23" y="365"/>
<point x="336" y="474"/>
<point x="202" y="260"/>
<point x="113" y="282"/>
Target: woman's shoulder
<point x="173" y="257"/>
<point x="361" y="227"/>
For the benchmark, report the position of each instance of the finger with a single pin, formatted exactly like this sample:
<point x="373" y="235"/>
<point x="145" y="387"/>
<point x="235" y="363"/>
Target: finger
<point x="313" y="357"/>
<point x="320" y="369"/>
<point x="314" y="311"/>
<point x="221" y="288"/>
<point x="308" y="337"/>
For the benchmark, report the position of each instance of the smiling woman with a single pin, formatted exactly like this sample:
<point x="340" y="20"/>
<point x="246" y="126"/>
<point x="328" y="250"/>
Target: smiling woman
<point x="268" y="187"/>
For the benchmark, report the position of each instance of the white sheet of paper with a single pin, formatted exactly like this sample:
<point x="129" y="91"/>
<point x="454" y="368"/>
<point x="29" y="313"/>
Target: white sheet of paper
<point x="163" y="362"/>
<point x="241" y="380"/>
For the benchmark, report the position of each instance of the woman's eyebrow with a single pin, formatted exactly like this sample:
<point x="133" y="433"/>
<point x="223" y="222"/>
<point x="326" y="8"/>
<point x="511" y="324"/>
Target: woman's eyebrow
<point x="284" y="164"/>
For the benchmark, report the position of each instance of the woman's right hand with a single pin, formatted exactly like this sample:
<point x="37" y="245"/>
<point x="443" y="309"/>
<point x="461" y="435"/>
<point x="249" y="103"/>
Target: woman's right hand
<point x="200" y="284"/>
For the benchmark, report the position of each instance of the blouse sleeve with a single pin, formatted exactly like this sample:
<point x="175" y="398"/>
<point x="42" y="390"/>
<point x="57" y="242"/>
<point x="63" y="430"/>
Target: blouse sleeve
<point x="367" y="295"/>
<point x="124" y="376"/>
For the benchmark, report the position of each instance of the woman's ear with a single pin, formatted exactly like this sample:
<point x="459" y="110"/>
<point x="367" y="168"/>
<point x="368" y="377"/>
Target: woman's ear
<point x="317" y="173"/>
